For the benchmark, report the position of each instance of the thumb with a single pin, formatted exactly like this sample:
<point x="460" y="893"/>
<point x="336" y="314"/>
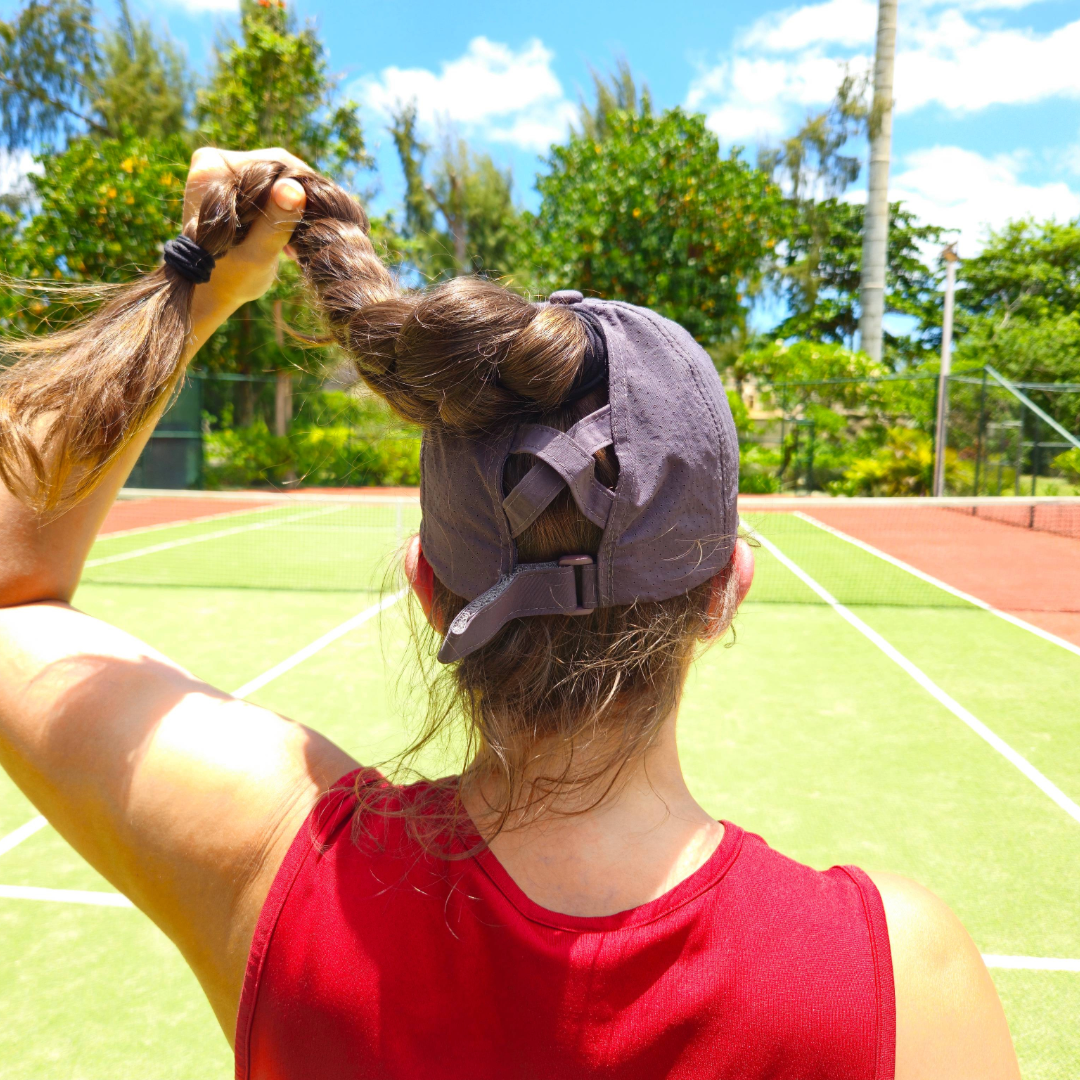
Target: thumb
<point x="282" y="213"/>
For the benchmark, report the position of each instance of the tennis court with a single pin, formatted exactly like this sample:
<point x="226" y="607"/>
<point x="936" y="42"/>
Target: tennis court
<point x="902" y="695"/>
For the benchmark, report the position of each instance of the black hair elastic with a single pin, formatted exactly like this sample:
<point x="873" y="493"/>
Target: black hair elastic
<point x="189" y="259"/>
<point x="594" y="369"/>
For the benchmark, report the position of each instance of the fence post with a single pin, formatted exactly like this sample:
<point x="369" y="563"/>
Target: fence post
<point x="1019" y="451"/>
<point x="283" y="403"/>
<point x="1035" y="457"/>
<point x="980" y="433"/>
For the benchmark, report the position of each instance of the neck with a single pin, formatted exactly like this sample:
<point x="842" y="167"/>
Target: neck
<point x="605" y="845"/>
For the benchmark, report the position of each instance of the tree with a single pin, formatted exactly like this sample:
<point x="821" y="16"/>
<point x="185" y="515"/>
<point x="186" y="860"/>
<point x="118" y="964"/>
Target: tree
<point x="811" y="164"/>
<point x="1027" y="269"/>
<point x="61" y="78"/>
<point x="106" y="208"/>
<point x="1018" y="308"/>
<point x="270" y="87"/>
<point x="655" y="216"/>
<point x="824" y="302"/>
<point x="141" y="82"/>
<point x="616" y="92"/>
<point x="48" y="59"/>
<point x="462" y="220"/>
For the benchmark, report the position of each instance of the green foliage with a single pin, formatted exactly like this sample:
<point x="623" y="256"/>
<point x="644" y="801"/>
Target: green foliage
<point x="1069" y="464"/>
<point x="811" y="163"/>
<point x="142" y="81"/>
<point x="615" y="92"/>
<point x="759" y="469"/>
<point x="821" y="268"/>
<point x="271" y="87"/>
<point x="655" y="216"/>
<point x="60" y="77"/>
<point x="338" y="440"/>
<point x="48" y="64"/>
<point x="107" y="206"/>
<point x="461" y="221"/>
<point x="1019" y="309"/>
<point x="808" y="362"/>
<point x="903" y="466"/>
<point x="1025" y="349"/>
<point x="1026" y="270"/>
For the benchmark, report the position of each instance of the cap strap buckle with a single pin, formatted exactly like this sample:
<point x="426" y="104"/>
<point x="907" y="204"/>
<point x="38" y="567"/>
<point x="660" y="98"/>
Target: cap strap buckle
<point x="566" y="587"/>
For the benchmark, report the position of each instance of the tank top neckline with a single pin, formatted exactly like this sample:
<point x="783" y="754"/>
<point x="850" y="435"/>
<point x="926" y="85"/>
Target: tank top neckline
<point x="701" y="880"/>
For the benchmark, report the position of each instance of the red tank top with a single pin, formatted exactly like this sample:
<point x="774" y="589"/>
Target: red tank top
<point x="374" y="960"/>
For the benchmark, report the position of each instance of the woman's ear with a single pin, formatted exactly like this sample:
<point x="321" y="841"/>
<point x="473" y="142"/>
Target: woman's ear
<point x="742" y="563"/>
<point x="420" y="576"/>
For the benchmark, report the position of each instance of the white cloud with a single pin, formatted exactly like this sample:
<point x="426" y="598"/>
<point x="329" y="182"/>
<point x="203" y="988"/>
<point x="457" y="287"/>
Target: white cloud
<point x="963" y="67"/>
<point x="14" y="169"/>
<point x="758" y="97"/>
<point x="835" y="22"/>
<point x="960" y="189"/>
<point x="948" y="53"/>
<point x="502" y="94"/>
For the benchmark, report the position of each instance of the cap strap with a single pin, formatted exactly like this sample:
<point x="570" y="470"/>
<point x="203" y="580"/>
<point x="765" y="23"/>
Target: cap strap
<point x="566" y="459"/>
<point x="531" y="589"/>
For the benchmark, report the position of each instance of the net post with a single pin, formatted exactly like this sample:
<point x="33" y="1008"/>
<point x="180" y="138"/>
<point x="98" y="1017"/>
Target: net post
<point x="1019" y="452"/>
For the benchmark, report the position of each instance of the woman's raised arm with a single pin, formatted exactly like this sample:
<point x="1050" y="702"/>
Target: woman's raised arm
<point x="184" y="798"/>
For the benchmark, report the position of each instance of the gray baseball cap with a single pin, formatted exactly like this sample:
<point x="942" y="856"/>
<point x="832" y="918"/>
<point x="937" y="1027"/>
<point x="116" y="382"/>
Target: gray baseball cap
<point x="669" y="524"/>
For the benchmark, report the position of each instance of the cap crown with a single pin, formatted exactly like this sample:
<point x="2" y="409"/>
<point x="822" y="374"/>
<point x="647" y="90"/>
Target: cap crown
<point x="673" y="520"/>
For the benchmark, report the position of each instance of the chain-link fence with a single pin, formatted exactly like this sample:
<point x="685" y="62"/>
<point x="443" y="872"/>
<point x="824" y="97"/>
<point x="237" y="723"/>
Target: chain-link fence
<point x="876" y="436"/>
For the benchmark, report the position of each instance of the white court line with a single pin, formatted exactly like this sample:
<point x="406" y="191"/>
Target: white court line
<point x="65" y="896"/>
<point x="1038" y="631"/>
<point x="1045" y="785"/>
<point x="1030" y="963"/>
<point x="108" y="899"/>
<point x="317" y="645"/>
<point x="23" y="832"/>
<point x="180" y="522"/>
<point x="168" y="545"/>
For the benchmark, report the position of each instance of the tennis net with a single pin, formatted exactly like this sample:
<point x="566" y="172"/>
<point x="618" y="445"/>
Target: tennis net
<point x="1011" y="553"/>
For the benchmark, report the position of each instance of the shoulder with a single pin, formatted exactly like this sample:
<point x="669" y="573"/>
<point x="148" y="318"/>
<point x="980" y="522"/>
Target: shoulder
<point x="949" y="1021"/>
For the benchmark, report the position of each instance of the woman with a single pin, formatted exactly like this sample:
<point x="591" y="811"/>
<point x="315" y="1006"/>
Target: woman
<point x="564" y="908"/>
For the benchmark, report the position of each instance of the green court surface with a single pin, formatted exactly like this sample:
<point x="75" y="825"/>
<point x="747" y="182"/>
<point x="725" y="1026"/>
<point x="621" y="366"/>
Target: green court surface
<point x="804" y="731"/>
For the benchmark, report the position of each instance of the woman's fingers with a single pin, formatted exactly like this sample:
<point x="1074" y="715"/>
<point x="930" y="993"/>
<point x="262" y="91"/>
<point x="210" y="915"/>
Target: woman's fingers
<point x="247" y="271"/>
<point x="272" y="230"/>
<point x="209" y="164"/>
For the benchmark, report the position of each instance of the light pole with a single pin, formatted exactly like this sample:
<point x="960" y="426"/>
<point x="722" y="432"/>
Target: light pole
<point x="942" y="428"/>
<point x="876" y="220"/>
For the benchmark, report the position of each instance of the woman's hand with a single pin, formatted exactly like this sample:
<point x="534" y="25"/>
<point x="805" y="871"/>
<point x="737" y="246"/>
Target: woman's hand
<point x="248" y="270"/>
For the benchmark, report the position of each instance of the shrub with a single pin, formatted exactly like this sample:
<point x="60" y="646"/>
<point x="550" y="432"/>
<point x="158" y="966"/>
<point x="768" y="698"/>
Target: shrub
<point x="903" y="466"/>
<point x="1069" y="464"/>
<point x="372" y="453"/>
<point x="758" y="468"/>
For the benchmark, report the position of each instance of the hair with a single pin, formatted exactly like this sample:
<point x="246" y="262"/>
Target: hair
<point x="548" y="694"/>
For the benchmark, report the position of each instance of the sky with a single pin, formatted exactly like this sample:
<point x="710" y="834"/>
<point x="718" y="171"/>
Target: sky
<point x="987" y="123"/>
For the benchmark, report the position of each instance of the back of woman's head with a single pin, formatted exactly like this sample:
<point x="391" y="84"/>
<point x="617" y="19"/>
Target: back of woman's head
<point x="551" y="701"/>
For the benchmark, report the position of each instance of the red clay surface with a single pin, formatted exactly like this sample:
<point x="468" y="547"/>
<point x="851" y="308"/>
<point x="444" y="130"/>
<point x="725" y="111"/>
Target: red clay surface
<point x="129" y="514"/>
<point x="136" y="513"/>
<point x="1032" y="574"/>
